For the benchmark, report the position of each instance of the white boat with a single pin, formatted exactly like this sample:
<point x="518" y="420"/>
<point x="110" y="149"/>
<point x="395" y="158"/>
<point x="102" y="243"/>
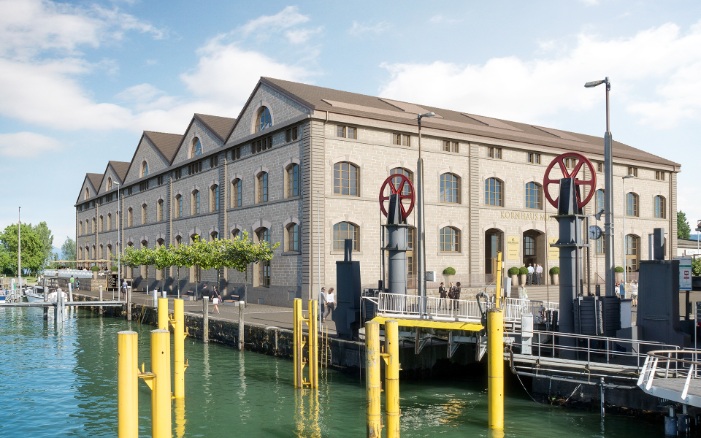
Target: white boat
<point x="34" y="294"/>
<point x="53" y="296"/>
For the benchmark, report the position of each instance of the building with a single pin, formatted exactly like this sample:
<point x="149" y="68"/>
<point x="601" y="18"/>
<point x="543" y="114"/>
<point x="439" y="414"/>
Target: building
<point x="303" y="165"/>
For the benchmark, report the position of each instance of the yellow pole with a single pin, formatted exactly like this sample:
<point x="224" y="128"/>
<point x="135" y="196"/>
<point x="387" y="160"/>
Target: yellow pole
<point x="498" y="285"/>
<point x="180" y="417"/>
<point x="313" y="344"/>
<point x="163" y="313"/>
<point x="297" y="340"/>
<point x="128" y="384"/>
<point x="160" y="395"/>
<point x="392" y="378"/>
<point x="495" y="352"/>
<point x="179" y="347"/>
<point x="373" y="383"/>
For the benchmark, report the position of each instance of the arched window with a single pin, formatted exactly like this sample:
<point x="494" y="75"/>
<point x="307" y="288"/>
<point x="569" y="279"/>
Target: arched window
<point x="235" y="233"/>
<point x="94" y="225"/>
<point x="130" y="217"/>
<point x="396" y="181"/>
<point x="109" y="221"/>
<point x="632" y="250"/>
<point x="237" y="193"/>
<point x="450" y="239"/>
<point x="196" y="149"/>
<point x="144" y="214"/>
<point x="178" y="240"/>
<point x="86" y="193"/>
<point x="214" y="235"/>
<point x="144" y="169"/>
<point x="262" y="187"/>
<point x="660" y="207"/>
<point x="159" y="210"/>
<point x="80" y="228"/>
<point x="450" y="188"/>
<point x="292" y="237"/>
<point x="264" y="120"/>
<point x="534" y="195"/>
<point x="109" y="183"/>
<point x="102" y="224"/>
<point x="195" y="202"/>
<point x="346" y="178"/>
<point x="493" y="192"/>
<point x="632" y="204"/>
<point x="214" y="198"/>
<point x="343" y="231"/>
<point x="263" y="235"/>
<point x="292" y="176"/>
<point x="178" y="206"/>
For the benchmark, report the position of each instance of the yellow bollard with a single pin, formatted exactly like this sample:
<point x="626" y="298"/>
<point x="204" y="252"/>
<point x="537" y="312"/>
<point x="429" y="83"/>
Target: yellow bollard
<point x="180" y="417"/>
<point x="498" y="285"/>
<point x="160" y="392"/>
<point x="163" y="313"/>
<point x="495" y="352"/>
<point x="128" y="384"/>
<point x="392" y="378"/>
<point x="313" y="344"/>
<point x="179" y="348"/>
<point x="373" y="383"/>
<point x="297" y="342"/>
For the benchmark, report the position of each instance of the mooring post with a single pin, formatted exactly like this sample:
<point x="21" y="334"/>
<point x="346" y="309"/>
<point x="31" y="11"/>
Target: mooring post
<point x="101" y="308"/>
<point x="127" y="384"/>
<point x="297" y="342"/>
<point x="373" y="382"/>
<point x="179" y="347"/>
<point x="495" y="352"/>
<point x="392" y="378"/>
<point x="242" y="307"/>
<point x="313" y="344"/>
<point x="163" y="313"/>
<point x="205" y="319"/>
<point x="601" y="397"/>
<point x="160" y="394"/>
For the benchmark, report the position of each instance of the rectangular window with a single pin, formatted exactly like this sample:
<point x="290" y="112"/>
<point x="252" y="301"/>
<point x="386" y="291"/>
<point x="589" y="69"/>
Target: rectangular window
<point x="600" y="167"/>
<point x="344" y="131"/>
<point x="659" y="175"/>
<point x="451" y="146"/>
<point x="177" y="174"/>
<point x="570" y="163"/>
<point x="214" y="161"/>
<point x="401" y="139"/>
<point x="194" y="168"/>
<point x="494" y="153"/>
<point x="143" y="186"/>
<point x="262" y="144"/>
<point x="128" y="194"/>
<point x="632" y="171"/>
<point x="236" y="153"/>
<point x="534" y="158"/>
<point x="291" y="134"/>
<point x="160" y="180"/>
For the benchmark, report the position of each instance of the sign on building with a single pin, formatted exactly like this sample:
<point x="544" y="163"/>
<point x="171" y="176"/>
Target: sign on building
<point x="685" y="273"/>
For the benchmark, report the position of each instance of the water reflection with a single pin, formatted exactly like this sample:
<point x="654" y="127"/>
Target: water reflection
<point x="307" y="413"/>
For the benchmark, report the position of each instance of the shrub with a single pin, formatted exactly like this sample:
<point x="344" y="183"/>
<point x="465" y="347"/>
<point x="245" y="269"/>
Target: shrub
<point x="555" y="270"/>
<point x="449" y="271"/>
<point x="523" y="270"/>
<point x="513" y="270"/>
<point x="95" y="268"/>
<point x="618" y="269"/>
<point x="114" y="269"/>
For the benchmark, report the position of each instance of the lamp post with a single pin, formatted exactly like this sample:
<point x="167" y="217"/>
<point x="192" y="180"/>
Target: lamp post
<point x="608" y="191"/>
<point x="623" y="231"/>
<point x="119" y="248"/>
<point x="421" y="242"/>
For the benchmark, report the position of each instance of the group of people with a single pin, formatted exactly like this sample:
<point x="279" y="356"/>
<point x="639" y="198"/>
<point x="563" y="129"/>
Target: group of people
<point x="327" y="300"/>
<point x="452" y="292"/>
<point x="621" y="291"/>
<point x="535" y="274"/>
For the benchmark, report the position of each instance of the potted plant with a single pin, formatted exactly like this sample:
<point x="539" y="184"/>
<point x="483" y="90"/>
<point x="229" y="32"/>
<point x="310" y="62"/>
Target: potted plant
<point x="619" y="273"/>
<point x="523" y="274"/>
<point x="95" y="269"/>
<point x="513" y="273"/>
<point x="555" y="275"/>
<point x="448" y="272"/>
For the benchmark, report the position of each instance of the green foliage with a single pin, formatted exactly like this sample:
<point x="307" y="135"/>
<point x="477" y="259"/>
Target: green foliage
<point x="449" y="271"/>
<point x="95" y="268"/>
<point x="683" y="228"/>
<point x="523" y="270"/>
<point x="618" y="269"/>
<point x="34" y="251"/>
<point x="555" y="270"/>
<point x="68" y="251"/>
<point x="696" y="267"/>
<point x="513" y="270"/>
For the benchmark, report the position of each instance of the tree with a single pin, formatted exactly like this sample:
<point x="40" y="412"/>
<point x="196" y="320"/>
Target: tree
<point x="46" y="239"/>
<point x="696" y="267"/>
<point x="683" y="228"/>
<point x="68" y="251"/>
<point x="241" y="252"/>
<point x="163" y="257"/>
<point x="33" y="251"/>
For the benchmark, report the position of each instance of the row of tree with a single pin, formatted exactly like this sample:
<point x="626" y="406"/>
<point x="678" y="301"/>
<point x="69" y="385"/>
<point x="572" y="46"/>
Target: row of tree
<point x="37" y="248"/>
<point x="214" y="254"/>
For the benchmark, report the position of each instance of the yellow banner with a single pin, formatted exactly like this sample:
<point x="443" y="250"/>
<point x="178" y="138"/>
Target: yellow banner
<point x="553" y="252"/>
<point x="513" y="245"/>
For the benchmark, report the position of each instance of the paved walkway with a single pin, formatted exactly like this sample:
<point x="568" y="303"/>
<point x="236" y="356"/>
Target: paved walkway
<point x="258" y="314"/>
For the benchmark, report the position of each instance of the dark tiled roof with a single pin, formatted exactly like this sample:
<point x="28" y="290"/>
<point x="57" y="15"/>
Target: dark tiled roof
<point x="167" y="144"/>
<point x="95" y="179"/>
<point x="343" y="102"/>
<point x="120" y="168"/>
<point x="221" y="126"/>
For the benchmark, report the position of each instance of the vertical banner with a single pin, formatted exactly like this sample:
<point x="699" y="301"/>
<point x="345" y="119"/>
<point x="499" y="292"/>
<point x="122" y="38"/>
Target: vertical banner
<point x="513" y="244"/>
<point x="553" y="251"/>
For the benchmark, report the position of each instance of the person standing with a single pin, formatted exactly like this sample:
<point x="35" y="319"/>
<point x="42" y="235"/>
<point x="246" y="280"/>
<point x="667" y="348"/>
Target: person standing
<point x="125" y="286"/>
<point x="77" y="284"/>
<point x="538" y="274"/>
<point x="442" y="295"/>
<point x="322" y="303"/>
<point x="215" y="298"/>
<point x="330" y="304"/>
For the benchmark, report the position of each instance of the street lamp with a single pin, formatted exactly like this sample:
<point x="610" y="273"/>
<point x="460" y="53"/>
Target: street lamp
<point x="421" y="241"/>
<point x="625" y="243"/>
<point x="119" y="248"/>
<point x="608" y="191"/>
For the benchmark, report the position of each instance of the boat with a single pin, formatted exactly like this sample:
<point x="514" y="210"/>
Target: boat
<point x="34" y="294"/>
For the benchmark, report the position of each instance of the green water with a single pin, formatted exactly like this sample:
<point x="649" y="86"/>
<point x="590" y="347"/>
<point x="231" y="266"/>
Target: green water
<point x="64" y="384"/>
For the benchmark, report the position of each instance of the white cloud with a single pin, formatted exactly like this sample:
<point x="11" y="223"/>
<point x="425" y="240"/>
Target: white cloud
<point x="516" y="89"/>
<point x="300" y="36"/>
<point x="26" y="144"/>
<point x="442" y="19"/>
<point x="360" y="29"/>
<point x="285" y="19"/>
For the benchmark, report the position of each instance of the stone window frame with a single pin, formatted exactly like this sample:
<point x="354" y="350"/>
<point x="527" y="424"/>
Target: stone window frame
<point x="449" y="188"/>
<point x="494" y="193"/>
<point x="343" y="179"/>
<point x="449" y="239"/>
<point x="352" y="231"/>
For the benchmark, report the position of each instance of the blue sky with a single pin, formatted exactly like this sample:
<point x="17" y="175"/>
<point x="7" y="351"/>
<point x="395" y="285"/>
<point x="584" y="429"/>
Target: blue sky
<point x="82" y="79"/>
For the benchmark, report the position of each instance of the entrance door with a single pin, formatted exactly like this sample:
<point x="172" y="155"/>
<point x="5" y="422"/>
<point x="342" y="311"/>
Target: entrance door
<point x="493" y="243"/>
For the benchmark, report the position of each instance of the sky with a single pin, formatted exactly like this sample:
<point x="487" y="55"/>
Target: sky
<point x="81" y="80"/>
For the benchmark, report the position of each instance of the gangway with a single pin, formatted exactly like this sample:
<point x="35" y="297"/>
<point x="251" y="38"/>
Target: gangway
<point x="672" y="375"/>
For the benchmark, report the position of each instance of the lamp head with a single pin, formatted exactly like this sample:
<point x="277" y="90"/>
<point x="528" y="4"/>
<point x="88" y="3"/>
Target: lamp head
<point x="598" y="215"/>
<point x="428" y="114"/>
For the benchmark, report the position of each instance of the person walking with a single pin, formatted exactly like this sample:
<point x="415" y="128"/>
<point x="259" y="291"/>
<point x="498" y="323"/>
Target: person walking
<point x="330" y="304"/>
<point x="322" y="303"/>
<point x="215" y="299"/>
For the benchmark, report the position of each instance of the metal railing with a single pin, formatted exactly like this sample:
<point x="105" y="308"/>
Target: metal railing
<point x="670" y="363"/>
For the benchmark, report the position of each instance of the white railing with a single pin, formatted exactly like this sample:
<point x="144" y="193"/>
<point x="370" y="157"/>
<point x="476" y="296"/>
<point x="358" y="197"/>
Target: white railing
<point x="666" y="364"/>
<point x="410" y="306"/>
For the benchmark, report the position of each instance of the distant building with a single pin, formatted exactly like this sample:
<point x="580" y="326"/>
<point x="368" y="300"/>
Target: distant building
<point x="303" y="165"/>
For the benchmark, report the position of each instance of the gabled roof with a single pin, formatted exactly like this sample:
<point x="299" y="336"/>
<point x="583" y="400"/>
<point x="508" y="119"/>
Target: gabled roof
<point x="120" y="168"/>
<point x="343" y="102"/>
<point x="93" y="180"/>
<point x="220" y="126"/>
<point x="167" y="144"/>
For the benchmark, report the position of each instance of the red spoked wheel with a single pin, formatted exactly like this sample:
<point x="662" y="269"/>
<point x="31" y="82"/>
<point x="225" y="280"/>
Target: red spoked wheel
<point x="397" y="183"/>
<point x="581" y="162"/>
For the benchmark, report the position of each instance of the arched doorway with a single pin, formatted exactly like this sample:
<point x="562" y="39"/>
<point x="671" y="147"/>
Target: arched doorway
<point x="632" y="250"/>
<point x="493" y="243"/>
<point x="534" y="250"/>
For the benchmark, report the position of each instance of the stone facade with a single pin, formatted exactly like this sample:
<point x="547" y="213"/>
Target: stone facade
<point x="303" y="135"/>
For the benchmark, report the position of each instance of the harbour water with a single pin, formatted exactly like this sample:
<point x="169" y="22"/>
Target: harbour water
<point x="64" y="384"/>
